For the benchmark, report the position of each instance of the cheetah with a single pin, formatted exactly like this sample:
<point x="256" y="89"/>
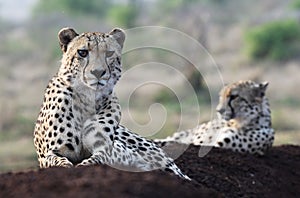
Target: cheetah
<point x="79" y="121"/>
<point x="243" y="123"/>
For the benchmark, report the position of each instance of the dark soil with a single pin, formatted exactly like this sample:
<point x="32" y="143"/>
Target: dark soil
<point x="221" y="173"/>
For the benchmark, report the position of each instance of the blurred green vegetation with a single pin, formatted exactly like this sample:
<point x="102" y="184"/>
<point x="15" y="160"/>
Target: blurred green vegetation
<point x="16" y="127"/>
<point x="123" y="14"/>
<point x="277" y="40"/>
<point x="96" y="8"/>
<point x="295" y="4"/>
<point x="168" y="99"/>
<point x="170" y="5"/>
<point x="280" y="121"/>
<point x="15" y="46"/>
<point x="290" y="102"/>
<point x="17" y="155"/>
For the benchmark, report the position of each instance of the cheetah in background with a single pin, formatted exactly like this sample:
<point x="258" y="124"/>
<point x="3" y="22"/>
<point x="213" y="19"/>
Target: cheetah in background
<point x="78" y="123"/>
<point x="243" y="123"/>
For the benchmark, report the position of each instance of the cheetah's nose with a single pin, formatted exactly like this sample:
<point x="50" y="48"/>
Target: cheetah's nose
<point x="98" y="73"/>
<point x="221" y="110"/>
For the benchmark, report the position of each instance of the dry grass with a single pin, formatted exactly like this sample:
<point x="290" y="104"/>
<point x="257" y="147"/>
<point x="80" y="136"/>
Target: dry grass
<point x="287" y="137"/>
<point x="17" y="155"/>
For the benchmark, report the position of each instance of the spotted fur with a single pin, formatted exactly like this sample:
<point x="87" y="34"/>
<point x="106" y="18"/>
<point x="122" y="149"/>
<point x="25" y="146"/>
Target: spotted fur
<point x="78" y="123"/>
<point x="243" y="125"/>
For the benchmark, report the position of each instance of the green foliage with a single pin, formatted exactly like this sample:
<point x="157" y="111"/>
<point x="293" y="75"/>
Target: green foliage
<point x="74" y="7"/>
<point x="168" y="99"/>
<point x="17" y="127"/>
<point x="170" y="5"/>
<point x="123" y="15"/>
<point x="276" y="40"/>
<point x="295" y="4"/>
<point x="292" y="102"/>
<point x="13" y="45"/>
<point x="215" y="2"/>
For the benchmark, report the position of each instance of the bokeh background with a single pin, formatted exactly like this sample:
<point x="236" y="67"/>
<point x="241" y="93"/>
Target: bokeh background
<point x="251" y="39"/>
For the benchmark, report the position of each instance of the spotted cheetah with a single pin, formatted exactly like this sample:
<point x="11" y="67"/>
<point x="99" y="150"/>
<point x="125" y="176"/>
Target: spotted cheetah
<point x="79" y="121"/>
<point x="243" y="123"/>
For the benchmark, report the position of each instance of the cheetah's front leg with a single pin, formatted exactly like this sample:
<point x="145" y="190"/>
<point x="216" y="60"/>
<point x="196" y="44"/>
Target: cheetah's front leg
<point x="98" y="140"/>
<point x="54" y="160"/>
<point x="97" y="158"/>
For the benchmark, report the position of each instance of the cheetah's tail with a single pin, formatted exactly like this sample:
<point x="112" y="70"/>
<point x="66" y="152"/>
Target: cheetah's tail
<point x="173" y="168"/>
<point x="182" y="137"/>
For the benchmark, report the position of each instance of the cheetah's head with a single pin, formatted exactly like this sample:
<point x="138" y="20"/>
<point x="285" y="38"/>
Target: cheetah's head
<point x="242" y="101"/>
<point x="93" y="58"/>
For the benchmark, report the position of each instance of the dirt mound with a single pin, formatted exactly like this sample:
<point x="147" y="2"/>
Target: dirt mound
<point x="276" y="174"/>
<point x="221" y="173"/>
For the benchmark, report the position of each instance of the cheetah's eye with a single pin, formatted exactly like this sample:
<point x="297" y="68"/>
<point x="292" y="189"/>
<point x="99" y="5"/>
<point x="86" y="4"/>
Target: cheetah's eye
<point x="83" y="52"/>
<point x="232" y="97"/>
<point x="109" y="53"/>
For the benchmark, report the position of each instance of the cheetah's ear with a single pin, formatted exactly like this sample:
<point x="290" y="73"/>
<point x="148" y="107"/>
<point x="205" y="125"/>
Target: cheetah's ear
<point x="264" y="85"/>
<point x="261" y="91"/>
<point x="65" y="36"/>
<point x="119" y="35"/>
